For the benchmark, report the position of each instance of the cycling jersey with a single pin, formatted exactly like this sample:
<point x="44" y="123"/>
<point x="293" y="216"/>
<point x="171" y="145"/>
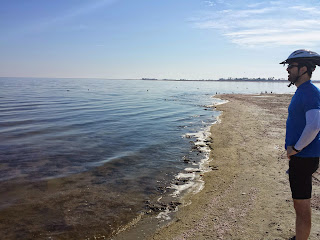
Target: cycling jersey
<point x="307" y="97"/>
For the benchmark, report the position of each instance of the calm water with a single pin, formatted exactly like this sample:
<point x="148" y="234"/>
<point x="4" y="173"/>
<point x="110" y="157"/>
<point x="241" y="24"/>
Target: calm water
<point x="54" y="127"/>
<point x="125" y="137"/>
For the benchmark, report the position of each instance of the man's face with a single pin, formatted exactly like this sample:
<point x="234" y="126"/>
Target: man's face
<point x="293" y="72"/>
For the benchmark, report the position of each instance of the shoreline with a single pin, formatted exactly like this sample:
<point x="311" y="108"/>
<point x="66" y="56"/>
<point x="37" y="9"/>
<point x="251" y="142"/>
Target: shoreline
<point x="247" y="194"/>
<point x="185" y="183"/>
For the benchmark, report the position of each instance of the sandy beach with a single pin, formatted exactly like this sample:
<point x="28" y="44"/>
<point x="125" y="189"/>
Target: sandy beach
<point x="246" y="195"/>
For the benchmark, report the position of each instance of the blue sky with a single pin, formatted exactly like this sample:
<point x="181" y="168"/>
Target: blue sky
<point x="191" y="39"/>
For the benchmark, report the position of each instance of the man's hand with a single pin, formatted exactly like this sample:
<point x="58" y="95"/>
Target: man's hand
<point x="290" y="151"/>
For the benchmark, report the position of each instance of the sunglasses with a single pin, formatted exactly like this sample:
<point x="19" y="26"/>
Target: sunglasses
<point x="292" y="66"/>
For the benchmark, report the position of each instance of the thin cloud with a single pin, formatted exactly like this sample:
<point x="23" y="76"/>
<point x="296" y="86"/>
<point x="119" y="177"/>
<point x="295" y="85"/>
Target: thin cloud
<point x="311" y="10"/>
<point x="44" y="24"/>
<point x="266" y="23"/>
<point x="76" y="12"/>
<point x="209" y="3"/>
<point x="254" y="5"/>
<point x="254" y="32"/>
<point x="284" y="39"/>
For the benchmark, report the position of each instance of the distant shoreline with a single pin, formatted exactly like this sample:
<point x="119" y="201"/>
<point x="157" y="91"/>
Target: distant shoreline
<point x="224" y="80"/>
<point x="174" y="80"/>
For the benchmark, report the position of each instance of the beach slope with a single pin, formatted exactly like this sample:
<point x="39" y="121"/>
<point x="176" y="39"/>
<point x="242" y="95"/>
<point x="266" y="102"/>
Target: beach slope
<point x="247" y="194"/>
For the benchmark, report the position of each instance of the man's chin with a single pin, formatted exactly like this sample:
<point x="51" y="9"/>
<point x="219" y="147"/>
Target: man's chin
<point x="290" y="79"/>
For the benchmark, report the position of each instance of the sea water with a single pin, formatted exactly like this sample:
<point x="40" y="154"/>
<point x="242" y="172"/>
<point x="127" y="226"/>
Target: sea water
<point x="122" y="141"/>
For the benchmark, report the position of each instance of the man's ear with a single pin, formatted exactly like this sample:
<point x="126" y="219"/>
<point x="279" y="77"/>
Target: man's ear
<point x="303" y="69"/>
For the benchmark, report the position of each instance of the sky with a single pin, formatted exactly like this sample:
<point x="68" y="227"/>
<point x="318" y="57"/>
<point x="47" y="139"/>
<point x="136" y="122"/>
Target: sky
<point x="167" y="39"/>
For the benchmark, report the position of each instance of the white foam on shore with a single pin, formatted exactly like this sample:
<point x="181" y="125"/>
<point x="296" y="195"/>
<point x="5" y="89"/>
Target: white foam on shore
<point x="164" y="215"/>
<point x="220" y="103"/>
<point x="195" y="183"/>
<point x="192" y="177"/>
<point x="189" y="181"/>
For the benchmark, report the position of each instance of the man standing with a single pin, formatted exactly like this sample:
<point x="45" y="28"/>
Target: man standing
<point x="302" y="135"/>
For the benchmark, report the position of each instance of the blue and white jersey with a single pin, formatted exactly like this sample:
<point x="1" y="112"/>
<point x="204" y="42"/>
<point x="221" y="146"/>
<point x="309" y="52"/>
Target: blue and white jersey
<point x="306" y="97"/>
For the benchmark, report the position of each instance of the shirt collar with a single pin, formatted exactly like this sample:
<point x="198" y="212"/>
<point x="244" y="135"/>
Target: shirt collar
<point x="305" y="84"/>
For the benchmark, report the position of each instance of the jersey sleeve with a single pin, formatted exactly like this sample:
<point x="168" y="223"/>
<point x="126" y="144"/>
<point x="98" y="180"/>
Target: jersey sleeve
<point x="311" y="101"/>
<point x="311" y="129"/>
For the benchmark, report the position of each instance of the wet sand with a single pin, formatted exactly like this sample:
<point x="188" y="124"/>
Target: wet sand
<point x="81" y="206"/>
<point x="247" y="194"/>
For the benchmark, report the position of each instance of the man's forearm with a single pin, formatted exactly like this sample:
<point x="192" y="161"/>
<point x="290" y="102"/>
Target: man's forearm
<point x="311" y="129"/>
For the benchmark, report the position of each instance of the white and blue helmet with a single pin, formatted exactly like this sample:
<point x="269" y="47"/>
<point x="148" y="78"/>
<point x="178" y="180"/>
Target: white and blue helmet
<point x="305" y="58"/>
<point x="303" y="55"/>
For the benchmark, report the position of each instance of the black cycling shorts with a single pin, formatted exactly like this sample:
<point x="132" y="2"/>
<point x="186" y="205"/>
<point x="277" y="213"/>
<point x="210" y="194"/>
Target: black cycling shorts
<point x="300" y="176"/>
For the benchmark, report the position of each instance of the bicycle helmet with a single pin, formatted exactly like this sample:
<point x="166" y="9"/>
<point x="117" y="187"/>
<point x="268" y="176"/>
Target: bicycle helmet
<point x="303" y="55"/>
<point x="305" y="58"/>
